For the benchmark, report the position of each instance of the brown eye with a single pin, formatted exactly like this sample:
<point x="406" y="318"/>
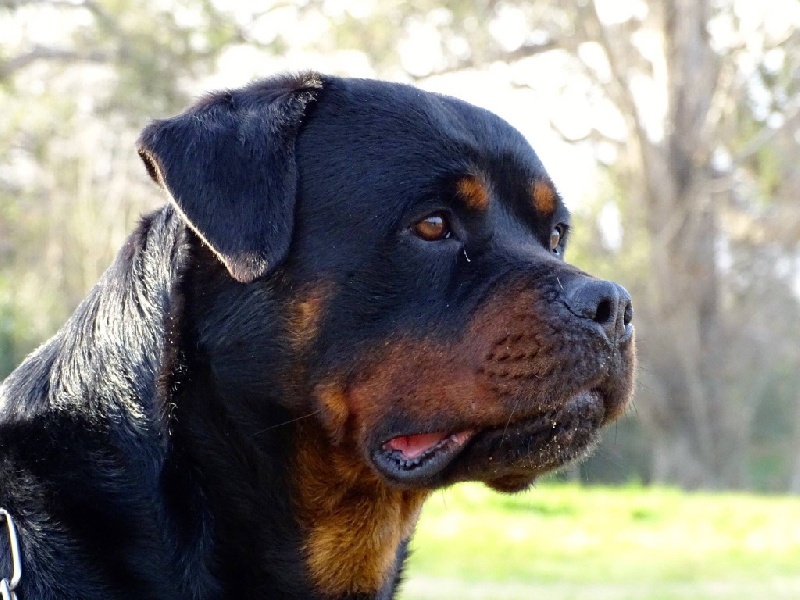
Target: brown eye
<point x="432" y="228"/>
<point x="555" y="238"/>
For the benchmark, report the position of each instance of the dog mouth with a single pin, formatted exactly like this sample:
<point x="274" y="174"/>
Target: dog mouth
<point x="507" y="458"/>
<point x="414" y="457"/>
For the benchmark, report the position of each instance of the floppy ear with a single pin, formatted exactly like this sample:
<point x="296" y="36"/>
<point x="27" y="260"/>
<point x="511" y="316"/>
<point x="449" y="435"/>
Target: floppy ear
<point x="228" y="165"/>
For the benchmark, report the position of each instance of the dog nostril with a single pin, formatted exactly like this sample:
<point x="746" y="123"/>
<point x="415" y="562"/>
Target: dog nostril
<point x="628" y="314"/>
<point x="603" y="313"/>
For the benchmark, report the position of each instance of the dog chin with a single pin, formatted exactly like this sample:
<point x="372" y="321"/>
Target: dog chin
<point x="507" y="458"/>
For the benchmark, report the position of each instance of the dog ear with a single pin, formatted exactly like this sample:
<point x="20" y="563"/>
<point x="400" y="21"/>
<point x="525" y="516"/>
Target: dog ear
<point x="228" y="165"/>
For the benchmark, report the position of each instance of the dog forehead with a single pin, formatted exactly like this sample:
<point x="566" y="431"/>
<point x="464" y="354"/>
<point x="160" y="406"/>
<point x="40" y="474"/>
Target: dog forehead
<point x="396" y="108"/>
<point x="389" y="139"/>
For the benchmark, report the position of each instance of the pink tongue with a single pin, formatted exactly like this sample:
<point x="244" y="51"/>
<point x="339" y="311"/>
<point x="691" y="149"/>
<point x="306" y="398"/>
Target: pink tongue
<point x="413" y="446"/>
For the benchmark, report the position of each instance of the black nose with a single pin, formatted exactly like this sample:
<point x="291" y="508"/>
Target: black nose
<point x="604" y="302"/>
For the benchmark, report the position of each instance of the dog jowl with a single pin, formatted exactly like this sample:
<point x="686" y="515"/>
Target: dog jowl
<point x="356" y="294"/>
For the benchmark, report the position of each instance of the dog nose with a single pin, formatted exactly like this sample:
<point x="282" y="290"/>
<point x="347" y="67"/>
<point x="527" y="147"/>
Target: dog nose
<point x="604" y="302"/>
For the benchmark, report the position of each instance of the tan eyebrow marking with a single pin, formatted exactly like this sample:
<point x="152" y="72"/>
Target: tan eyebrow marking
<point x="544" y="196"/>
<point x="474" y="191"/>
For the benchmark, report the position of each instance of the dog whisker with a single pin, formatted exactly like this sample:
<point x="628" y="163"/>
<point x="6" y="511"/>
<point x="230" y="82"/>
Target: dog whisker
<point x="510" y="416"/>
<point x="289" y="422"/>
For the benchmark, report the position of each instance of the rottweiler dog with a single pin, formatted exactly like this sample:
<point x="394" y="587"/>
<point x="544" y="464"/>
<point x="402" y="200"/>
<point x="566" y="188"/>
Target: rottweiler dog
<point x="355" y="295"/>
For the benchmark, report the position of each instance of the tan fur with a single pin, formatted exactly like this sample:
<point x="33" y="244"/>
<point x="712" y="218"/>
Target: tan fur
<point x="335" y="411"/>
<point x="306" y="315"/>
<point x="474" y="191"/>
<point x="544" y="197"/>
<point x="471" y="383"/>
<point x="353" y="521"/>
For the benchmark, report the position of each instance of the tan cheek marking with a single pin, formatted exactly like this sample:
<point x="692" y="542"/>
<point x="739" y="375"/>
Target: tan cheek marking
<point x="474" y="191"/>
<point x="306" y="316"/>
<point x="544" y="197"/>
<point x="411" y="376"/>
<point x="353" y="521"/>
<point x="470" y="383"/>
<point x="335" y="412"/>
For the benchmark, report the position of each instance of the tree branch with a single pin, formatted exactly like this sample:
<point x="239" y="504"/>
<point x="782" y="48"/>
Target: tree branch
<point x="619" y="94"/>
<point x="470" y="62"/>
<point x="40" y="53"/>
<point x="46" y="53"/>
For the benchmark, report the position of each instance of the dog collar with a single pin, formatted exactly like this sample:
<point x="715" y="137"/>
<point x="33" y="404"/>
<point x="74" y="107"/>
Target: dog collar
<point x="7" y="586"/>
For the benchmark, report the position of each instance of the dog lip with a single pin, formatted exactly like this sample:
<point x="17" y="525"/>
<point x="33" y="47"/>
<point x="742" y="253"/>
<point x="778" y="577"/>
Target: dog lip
<point x="413" y="458"/>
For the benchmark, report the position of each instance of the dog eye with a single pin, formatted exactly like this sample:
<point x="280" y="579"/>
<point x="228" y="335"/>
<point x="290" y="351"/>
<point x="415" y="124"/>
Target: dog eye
<point x="555" y="238"/>
<point x="432" y="228"/>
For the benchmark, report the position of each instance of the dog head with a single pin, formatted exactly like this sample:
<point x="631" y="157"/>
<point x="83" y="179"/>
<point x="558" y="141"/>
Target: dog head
<point x="414" y="246"/>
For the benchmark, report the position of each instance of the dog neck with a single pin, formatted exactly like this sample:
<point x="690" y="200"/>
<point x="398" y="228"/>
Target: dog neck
<point x="295" y="515"/>
<point x="355" y="526"/>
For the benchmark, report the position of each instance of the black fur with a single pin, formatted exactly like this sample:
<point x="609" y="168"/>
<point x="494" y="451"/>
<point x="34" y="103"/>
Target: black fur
<point x="145" y="450"/>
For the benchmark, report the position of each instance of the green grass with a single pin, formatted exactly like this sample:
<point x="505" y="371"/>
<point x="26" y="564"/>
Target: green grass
<point x="560" y="541"/>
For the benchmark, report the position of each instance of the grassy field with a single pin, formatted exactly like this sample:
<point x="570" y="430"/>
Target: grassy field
<point x="559" y="542"/>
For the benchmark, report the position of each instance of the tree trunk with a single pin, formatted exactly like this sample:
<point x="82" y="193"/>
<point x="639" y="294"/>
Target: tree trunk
<point x="697" y="434"/>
